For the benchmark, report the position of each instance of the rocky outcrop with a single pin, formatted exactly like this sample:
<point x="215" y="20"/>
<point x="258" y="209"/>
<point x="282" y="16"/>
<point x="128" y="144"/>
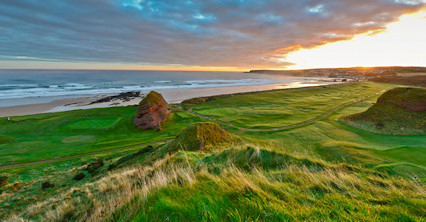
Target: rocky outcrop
<point x="123" y="97"/>
<point x="152" y="110"/>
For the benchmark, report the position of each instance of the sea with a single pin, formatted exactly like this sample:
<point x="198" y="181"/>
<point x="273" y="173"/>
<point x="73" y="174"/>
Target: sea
<point x="21" y="87"/>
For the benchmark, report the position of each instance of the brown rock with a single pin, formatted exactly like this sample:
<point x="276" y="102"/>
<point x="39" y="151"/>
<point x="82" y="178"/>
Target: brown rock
<point x="152" y="110"/>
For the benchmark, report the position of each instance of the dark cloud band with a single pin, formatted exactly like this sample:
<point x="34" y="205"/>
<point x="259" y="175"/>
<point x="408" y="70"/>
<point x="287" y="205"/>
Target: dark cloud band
<point x="235" y="33"/>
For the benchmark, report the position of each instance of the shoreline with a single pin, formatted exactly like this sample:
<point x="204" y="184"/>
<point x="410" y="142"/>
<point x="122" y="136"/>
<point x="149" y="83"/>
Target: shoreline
<point x="172" y="96"/>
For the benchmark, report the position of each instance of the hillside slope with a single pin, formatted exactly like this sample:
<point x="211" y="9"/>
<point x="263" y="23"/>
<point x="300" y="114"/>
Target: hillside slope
<point x="400" y="111"/>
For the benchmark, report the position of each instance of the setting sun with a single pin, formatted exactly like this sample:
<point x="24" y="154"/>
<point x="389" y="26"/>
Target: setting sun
<point x="402" y="43"/>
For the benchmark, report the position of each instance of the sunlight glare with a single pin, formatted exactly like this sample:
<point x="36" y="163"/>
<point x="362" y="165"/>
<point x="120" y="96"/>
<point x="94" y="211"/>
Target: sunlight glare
<point x="402" y="43"/>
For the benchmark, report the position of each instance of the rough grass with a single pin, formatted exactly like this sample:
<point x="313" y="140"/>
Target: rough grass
<point x="405" y="97"/>
<point x="392" y="115"/>
<point x="202" y="136"/>
<point x="153" y="98"/>
<point x="164" y="189"/>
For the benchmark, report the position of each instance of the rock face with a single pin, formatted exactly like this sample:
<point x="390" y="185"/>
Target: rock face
<point x="152" y="110"/>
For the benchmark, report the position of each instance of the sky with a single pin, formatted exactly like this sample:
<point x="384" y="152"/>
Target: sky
<point x="211" y="35"/>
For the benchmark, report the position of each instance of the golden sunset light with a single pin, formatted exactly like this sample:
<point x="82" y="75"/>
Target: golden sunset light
<point x="402" y="43"/>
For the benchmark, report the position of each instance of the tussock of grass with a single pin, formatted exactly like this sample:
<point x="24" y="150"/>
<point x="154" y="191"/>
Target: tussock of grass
<point x="99" y="199"/>
<point x="202" y="136"/>
<point x="251" y="156"/>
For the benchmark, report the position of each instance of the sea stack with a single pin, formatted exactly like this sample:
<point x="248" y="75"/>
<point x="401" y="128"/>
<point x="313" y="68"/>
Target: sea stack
<point x="152" y="110"/>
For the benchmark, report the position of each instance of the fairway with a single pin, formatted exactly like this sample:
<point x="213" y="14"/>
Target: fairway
<point x="53" y="135"/>
<point x="279" y="108"/>
<point x="94" y="123"/>
<point x="327" y="138"/>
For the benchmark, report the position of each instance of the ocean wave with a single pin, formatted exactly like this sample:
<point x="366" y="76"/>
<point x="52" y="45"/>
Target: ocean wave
<point x="71" y="89"/>
<point x="163" y="81"/>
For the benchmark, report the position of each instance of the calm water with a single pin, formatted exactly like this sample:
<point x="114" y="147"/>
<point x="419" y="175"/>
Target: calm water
<point x="19" y="87"/>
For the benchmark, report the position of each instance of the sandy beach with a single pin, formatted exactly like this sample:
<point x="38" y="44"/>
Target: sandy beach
<point x="171" y="96"/>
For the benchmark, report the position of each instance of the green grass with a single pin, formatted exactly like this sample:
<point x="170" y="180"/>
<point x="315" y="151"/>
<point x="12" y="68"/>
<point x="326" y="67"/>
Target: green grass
<point x="326" y="171"/>
<point x="247" y="197"/>
<point x="407" y="154"/>
<point x="388" y="118"/>
<point x="6" y="139"/>
<point x="202" y="136"/>
<point x="93" y="123"/>
<point x="44" y="136"/>
<point x="283" y="107"/>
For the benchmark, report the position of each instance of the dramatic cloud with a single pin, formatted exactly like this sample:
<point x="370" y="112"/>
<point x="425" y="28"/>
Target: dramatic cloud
<point x="234" y="33"/>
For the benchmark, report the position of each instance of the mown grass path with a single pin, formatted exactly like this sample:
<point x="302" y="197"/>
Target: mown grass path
<point x="56" y="159"/>
<point x="292" y="126"/>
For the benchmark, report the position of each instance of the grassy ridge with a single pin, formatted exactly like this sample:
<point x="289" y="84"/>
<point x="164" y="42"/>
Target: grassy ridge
<point x="398" y="112"/>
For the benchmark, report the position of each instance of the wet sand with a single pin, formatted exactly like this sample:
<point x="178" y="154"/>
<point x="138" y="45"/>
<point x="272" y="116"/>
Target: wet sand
<point x="171" y="96"/>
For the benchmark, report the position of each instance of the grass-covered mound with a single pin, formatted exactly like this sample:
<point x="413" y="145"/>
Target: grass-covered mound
<point x="202" y="136"/>
<point x="153" y="99"/>
<point x="400" y="111"/>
